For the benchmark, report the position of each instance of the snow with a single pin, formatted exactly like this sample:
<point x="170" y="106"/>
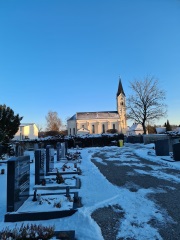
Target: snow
<point x="97" y="192"/>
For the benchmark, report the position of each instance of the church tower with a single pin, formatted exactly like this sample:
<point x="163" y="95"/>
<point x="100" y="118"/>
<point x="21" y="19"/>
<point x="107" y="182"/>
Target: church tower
<point x="121" y="107"/>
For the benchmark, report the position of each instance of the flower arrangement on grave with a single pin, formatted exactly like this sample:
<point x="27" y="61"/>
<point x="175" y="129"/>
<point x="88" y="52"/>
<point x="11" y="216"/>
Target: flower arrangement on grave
<point x="59" y="178"/>
<point x="79" y="171"/>
<point x="70" y="199"/>
<point x="43" y="182"/>
<point x="64" y="167"/>
<point x="57" y="204"/>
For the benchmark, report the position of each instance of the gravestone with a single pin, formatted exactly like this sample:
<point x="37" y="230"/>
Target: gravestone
<point x="49" y="158"/>
<point x="36" y="146"/>
<point x="19" y="150"/>
<point x="58" y="148"/>
<point x="67" y="191"/>
<point x="162" y="147"/>
<point x="1" y="150"/>
<point x="63" y="151"/>
<point x="40" y="156"/>
<point x="18" y="181"/>
<point x="66" y="147"/>
<point x="176" y="151"/>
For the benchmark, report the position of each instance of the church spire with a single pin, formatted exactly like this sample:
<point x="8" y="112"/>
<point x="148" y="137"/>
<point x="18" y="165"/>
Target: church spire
<point x="120" y="89"/>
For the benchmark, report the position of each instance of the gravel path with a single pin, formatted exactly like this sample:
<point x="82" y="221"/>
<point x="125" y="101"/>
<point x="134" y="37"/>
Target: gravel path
<point x="167" y="200"/>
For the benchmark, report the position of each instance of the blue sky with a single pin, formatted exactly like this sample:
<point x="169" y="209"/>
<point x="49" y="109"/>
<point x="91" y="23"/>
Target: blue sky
<point x="67" y="56"/>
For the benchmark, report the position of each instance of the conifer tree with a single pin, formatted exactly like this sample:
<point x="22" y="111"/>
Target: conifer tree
<point x="168" y="126"/>
<point x="9" y="124"/>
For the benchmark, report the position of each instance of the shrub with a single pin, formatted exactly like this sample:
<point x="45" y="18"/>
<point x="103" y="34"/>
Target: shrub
<point x="32" y="231"/>
<point x="112" y="131"/>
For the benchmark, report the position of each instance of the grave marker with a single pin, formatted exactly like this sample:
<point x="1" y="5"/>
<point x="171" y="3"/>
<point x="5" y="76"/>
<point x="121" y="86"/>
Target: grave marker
<point x="18" y="182"/>
<point x="58" y="147"/>
<point x="176" y="151"/>
<point x="63" y="153"/>
<point x="40" y="156"/>
<point x="49" y="158"/>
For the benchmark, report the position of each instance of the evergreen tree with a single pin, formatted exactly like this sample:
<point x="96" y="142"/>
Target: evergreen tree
<point x="168" y="126"/>
<point x="9" y="124"/>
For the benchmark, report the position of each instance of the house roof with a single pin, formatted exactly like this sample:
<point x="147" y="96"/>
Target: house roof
<point x="72" y="118"/>
<point x="136" y="127"/>
<point x="26" y="124"/>
<point x="120" y="89"/>
<point x="95" y="115"/>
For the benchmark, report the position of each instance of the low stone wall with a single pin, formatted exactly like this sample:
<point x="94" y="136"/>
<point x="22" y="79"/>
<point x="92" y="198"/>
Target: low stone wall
<point x="151" y="138"/>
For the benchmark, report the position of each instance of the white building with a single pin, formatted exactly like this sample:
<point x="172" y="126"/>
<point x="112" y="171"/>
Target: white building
<point x="26" y="131"/>
<point x="135" y="129"/>
<point x="101" y="121"/>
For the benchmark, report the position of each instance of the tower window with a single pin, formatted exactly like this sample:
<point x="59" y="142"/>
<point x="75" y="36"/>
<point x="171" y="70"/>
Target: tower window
<point x="113" y="126"/>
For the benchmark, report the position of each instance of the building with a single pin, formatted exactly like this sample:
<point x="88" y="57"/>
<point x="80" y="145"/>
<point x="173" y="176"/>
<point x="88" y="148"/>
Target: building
<point x="135" y="129"/>
<point x="26" y="131"/>
<point x="100" y="122"/>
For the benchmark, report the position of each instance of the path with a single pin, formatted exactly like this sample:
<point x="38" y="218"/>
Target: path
<point x="136" y="173"/>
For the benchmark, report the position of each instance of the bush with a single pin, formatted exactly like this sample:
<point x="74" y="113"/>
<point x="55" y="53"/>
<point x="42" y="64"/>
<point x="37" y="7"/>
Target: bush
<point x="32" y="231"/>
<point x="112" y="131"/>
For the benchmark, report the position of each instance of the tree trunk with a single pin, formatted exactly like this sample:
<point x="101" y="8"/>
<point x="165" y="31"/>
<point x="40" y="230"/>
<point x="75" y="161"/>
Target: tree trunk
<point x="144" y="127"/>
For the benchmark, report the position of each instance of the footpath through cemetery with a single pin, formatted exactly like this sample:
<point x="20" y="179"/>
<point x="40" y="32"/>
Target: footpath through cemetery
<point x="112" y="192"/>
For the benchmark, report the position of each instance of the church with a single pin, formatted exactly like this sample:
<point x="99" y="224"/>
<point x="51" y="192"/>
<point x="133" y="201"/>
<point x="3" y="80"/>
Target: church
<point x="100" y="122"/>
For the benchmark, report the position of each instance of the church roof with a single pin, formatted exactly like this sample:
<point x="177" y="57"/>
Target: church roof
<point x="97" y="115"/>
<point x="120" y="89"/>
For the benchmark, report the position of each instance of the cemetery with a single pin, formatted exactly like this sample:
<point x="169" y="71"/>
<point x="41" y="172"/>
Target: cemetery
<point x="52" y="193"/>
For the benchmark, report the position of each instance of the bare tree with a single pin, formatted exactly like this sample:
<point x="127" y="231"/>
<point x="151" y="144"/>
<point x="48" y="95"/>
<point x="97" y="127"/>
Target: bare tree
<point x="53" y="122"/>
<point x="39" y="127"/>
<point x="147" y="101"/>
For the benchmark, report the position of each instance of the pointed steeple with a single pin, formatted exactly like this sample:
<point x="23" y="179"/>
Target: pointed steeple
<point x="120" y="89"/>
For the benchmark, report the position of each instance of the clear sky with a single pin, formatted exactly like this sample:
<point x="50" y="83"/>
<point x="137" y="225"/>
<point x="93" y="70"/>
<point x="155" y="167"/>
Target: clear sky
<point x="67" y="55"/>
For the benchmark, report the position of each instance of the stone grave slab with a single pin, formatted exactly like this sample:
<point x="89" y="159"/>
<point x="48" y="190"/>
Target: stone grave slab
<point x="48" y="209"/>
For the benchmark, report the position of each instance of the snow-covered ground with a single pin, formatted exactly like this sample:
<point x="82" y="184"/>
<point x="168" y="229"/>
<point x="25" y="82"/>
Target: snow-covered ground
<point x="97" y="192"/>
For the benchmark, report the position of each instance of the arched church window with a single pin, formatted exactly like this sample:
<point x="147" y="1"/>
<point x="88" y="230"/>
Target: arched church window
<point x="93" y="129"/>
<point x="103" y="128"/>
<point x="122" y="103"/>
